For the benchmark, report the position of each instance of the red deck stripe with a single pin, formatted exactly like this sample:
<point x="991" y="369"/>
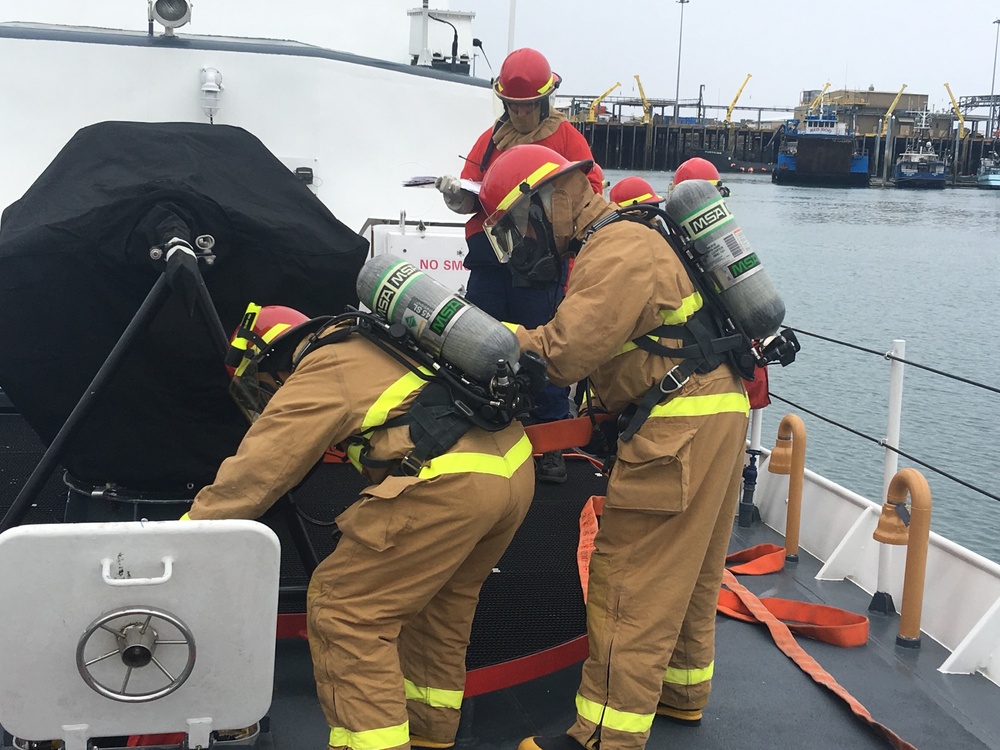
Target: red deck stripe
<point x="485" y="679"/>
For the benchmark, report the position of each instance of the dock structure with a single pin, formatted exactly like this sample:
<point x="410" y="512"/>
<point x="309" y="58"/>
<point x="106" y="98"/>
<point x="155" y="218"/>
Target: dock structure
<point x="638" y="133"/>
<point x="662" y="146"/>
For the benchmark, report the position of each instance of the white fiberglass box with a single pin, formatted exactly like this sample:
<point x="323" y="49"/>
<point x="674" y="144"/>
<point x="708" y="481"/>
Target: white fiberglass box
<point x="140" y="627"/>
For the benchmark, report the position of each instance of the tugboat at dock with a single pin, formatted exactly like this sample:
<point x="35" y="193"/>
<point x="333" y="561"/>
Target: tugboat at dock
<point x="821" y="151"/>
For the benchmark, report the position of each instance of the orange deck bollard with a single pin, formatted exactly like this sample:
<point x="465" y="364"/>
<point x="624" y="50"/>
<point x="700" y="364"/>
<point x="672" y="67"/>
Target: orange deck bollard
<point x="789" y="457"/>
<point x="912" y="527"/>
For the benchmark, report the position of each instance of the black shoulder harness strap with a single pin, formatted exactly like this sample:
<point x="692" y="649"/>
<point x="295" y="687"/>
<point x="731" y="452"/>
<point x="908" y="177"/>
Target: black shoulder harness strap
<point x="708" y="337"/>
<point x="438" y="417"/>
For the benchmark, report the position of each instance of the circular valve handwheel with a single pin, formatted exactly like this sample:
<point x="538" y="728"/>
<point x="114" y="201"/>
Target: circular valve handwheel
<point x="133" y="634"/>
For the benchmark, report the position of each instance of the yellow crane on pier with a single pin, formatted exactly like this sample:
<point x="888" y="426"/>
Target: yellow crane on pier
<point x="818" y="101"/>
<point x="647" y="108"/>
<point x="885" y="120"/>
<point x="592" y="114"/>
<point x="732" y="104"/>
<point x="958" y="114"/>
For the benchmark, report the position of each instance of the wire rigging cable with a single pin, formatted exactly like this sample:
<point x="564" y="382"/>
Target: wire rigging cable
<point x="887" y="355"/>
<point x="881" y="441"/>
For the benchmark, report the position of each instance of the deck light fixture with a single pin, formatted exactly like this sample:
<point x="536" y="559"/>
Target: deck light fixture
<point x="211" y="92"/>
<point x="171" y="14"/>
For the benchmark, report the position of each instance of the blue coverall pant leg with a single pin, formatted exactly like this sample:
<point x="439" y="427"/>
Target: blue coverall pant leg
<point x="491" y="289"/>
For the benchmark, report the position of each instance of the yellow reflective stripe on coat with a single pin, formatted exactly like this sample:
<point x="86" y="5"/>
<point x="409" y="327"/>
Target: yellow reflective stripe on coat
<point x="689" y="306"/>
<point x="479" y="463"/>
<point x="371" y="739"/>
<point x="434" y="697"/>
<point x="378" y="412"/>
<point x="623" y="721"/>
<point x="703" y="406"/>
<point x="676" y="676"/>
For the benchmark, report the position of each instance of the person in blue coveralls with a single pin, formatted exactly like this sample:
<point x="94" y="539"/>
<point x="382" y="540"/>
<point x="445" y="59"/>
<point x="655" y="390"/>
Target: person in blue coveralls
<point x="526" y="288"/>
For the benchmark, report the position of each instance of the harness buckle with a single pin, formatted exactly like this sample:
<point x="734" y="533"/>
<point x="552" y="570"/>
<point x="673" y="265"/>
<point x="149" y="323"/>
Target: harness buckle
<point x="674" y="382"/>
<point x="409" y="466"/>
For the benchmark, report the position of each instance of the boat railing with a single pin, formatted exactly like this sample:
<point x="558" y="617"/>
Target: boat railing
<point x="961" y="605"/>
<point x="890" y="443"/>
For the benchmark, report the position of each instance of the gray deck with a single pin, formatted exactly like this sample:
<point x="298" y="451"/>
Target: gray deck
<point x="760" y="698"/>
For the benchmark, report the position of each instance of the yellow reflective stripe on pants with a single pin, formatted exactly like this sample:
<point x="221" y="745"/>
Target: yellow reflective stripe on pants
<point x="703" y="406"/>
<point x="676" y="676"/>
<point x="378" y="412"/>
<point x="689" y="306"/>
<point x="371" y="739"/>
<point x="479" y="463"/>
<point x="623" y="721"/>
<point x="434" y="697"/>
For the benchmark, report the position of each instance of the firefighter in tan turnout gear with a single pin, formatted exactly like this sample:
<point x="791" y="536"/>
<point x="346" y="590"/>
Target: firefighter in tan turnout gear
<point x="391" y="609"/>
<point x="671" y="498"/>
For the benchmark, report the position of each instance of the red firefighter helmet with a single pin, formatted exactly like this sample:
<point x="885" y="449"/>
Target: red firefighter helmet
<point x="260" y="329"/>
<point x="525" y="76"/>
<point x="696" y="169"/>
<point x="519" y="171"/>
<point x="507" y="191"/>
<point x="633" y="190"/>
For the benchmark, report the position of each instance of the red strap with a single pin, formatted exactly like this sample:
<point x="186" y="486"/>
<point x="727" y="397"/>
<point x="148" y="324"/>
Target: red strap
<point x="142" y="740"/>
<point x="335" y="456"/>
<point x="828" y="624"/>
<point x="784" y="639"/>
<point x="563" y="433"/>
<point x="757" y="388"/>
<point x="757" y="561"/>
<point x="588" y="530"/>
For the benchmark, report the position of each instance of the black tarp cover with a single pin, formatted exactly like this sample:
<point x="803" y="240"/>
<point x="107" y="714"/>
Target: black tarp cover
<point x="75" y="268"/>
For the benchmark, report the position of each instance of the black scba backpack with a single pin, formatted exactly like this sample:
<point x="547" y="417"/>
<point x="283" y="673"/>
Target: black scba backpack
<point x="449" y="404"/>
<point x="710" y="337"/>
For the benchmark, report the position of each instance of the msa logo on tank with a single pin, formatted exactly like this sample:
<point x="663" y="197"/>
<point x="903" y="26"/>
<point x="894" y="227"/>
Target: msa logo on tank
<point x="431" y="325"/>
<point x="706" y="219"/>
<point x="743" y="265"/>
<point x="731" y="258"/>
<point x="445" y="314"/>
<point x="395" y="281"/>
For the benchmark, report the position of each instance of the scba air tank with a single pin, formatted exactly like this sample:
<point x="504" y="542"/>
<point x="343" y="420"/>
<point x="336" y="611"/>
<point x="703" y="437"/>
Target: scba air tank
<point x="731" y="266"/>
<point x="441" y="321"/>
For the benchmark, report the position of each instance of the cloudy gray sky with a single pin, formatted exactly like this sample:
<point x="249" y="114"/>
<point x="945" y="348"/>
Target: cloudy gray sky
<point x="786" y="45"/>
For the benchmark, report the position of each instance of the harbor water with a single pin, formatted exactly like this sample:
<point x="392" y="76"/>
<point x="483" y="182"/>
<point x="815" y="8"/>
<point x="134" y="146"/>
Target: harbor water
<point x="866" y="267"/>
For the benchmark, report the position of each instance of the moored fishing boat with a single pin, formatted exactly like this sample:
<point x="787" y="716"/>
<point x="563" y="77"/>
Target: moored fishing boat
<point x="920" y="166"/>
<point x="819" y="150"/>
<point x="988" y="174"/>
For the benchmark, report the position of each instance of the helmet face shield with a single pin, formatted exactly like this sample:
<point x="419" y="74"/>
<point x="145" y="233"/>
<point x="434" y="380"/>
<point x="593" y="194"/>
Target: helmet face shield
<point x="522" y="236"/>
<point x="252" y="389"/>
<point x="261" y="347"/>
<point x="507" y="230"/>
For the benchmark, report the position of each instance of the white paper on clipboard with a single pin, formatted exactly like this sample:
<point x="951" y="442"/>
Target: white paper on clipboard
<point x="429" y="180"/>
